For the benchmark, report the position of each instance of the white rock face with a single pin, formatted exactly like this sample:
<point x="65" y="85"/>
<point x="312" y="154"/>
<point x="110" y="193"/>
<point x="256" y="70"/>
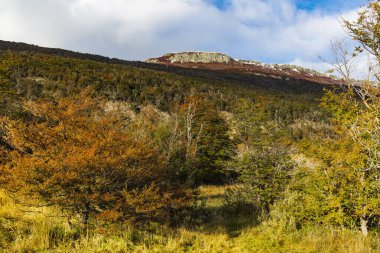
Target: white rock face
<point x="199" y="57"/>
<point x="152" y="60"/>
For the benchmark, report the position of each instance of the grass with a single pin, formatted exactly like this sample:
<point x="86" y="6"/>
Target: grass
<point x="216" y="228"/>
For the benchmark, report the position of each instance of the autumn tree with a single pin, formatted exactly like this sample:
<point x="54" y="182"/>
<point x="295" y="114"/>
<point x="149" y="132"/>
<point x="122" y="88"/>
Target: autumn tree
<point x="343" y="187"/>
<point x="73" y="154"/>
<point x="339" y="184"/>
<point x="359" y="119"/>
<point x="362" y="122"/>
<point x="327" y="186"/>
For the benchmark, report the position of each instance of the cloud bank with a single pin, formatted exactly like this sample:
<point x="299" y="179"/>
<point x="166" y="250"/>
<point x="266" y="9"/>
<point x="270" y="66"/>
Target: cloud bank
<point x="266" y="30"/>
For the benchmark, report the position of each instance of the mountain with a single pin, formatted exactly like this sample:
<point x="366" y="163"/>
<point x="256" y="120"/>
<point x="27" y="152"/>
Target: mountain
<point x="215" y="66"/>
<point x="223" y="62"/>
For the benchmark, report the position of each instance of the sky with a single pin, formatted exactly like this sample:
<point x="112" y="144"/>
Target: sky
<point x="271" y="31"/>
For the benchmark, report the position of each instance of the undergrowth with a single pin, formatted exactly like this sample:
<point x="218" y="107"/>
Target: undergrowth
<point x="216" y="227"/>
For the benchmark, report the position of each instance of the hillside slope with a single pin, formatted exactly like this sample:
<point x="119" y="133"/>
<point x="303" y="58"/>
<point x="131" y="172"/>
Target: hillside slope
<point x="278" y="77"/>
<point x="31" y="72"/>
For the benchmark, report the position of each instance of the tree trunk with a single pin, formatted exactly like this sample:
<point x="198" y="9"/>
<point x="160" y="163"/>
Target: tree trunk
<point x="363" y="226"/>
<point x="86" y="214"/>
<point x="69" y="222"/>
<point x="85" y="218"/>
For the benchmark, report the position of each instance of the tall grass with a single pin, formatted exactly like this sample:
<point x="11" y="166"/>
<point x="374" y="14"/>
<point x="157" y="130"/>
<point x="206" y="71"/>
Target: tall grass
<point x="45" y="230"/>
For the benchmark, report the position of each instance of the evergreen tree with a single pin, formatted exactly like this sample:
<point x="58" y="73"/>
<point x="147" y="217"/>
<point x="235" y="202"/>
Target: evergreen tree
<point x="209" y="145"/>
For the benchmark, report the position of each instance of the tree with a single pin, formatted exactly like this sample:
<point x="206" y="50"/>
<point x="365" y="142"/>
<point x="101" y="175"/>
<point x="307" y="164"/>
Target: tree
<point x="364" y="129"/>
<point x="327" y="186"/>
<point x="265" y="176"/>
<point x="73" y="154"/>
<point x="357" y="172"/>
<point x="263" y="163"/>
<point x="350" y="182"/>
<point x="366" y="31"/>
<point x="343" y="60"/>
<point x="208" y="145"/>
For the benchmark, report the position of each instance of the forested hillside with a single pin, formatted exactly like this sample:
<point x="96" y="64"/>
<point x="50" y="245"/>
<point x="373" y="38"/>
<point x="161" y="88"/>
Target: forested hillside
<point x="105" y="155"/>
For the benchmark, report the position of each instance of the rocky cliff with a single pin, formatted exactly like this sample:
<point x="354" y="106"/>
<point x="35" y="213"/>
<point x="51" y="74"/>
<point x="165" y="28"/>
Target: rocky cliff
<point x="194" y="57"/>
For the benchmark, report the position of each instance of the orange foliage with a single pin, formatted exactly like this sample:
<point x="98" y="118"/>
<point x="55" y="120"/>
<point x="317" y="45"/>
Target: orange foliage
<point x="75" y="155"/>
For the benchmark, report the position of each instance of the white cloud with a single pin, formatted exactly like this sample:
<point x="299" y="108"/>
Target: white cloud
<point x="360" y="67"/>
<point x="261" y="12"/>
<point x="271" y="30"/>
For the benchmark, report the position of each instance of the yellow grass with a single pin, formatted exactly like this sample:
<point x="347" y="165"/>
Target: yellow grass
<point x="32" y="229"/>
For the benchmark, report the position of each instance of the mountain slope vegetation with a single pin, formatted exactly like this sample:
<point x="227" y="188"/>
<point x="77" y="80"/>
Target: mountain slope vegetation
<point x="105" y="155"/>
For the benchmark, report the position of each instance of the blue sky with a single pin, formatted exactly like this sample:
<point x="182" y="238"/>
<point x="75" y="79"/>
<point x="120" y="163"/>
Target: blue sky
<point x="329" y="5"/>
<point x="272" y="31"/>
<point x="322" y="5"/>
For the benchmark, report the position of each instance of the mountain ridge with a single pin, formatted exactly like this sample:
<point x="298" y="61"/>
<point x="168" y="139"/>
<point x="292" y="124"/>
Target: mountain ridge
<point x="221" y="61"/>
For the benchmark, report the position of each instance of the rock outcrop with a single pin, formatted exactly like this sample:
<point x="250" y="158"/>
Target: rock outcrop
<point x="194" y="57"/>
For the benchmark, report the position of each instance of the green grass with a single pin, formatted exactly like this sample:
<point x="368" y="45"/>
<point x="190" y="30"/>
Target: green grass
<point x="218" y="230"/>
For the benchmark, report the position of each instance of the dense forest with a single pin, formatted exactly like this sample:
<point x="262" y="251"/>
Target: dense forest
<point x="105" y="155"/>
